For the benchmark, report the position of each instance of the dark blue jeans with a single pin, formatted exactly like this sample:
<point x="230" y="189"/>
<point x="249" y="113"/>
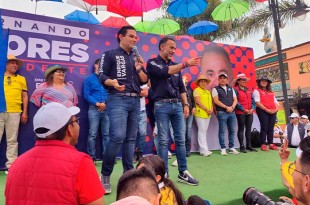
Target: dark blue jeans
<point x="96" y="118"/>
<point x="123" y="113"/>
<point x="226" y="119"/>
<point x="173" y="112"/>
<point x="267" y="122"/>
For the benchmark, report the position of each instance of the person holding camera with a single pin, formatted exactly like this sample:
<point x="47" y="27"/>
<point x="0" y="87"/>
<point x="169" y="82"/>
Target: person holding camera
<point x="294" y="131"/>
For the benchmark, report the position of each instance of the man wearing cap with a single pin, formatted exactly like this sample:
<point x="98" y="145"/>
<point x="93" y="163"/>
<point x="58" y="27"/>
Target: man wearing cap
<point x="225" y="101"/>
<point x="305" y="121"/>
<point x="121" y="71"/>
<point x="16" y="99"/>
<point x="294" y="131"/>
<point x="54" y="172"/>
<point x="169" y="93"/>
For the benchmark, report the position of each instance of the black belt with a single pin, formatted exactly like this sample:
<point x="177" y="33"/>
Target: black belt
<point x="127" y="94"/>
<point x="170" y="100"/>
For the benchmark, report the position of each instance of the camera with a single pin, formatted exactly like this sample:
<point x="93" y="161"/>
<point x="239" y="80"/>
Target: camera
<point x="252" y="196"/>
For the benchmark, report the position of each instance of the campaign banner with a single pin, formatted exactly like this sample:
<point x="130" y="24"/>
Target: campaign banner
<point x="42" y="41"/>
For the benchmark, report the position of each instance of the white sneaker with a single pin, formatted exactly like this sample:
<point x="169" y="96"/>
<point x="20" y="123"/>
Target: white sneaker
<point x="175" y="163"/>
<point x="169" y="155"/>
<point x="223" y="152"/>
<point x="207" y="154"/>
<point x="233" y="151"/>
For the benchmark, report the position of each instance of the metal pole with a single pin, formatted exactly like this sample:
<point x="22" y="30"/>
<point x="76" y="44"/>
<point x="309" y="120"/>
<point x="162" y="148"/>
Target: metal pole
<point x="273" y="5"/>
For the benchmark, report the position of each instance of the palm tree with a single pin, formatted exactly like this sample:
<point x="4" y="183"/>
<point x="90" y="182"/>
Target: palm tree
<point x="258" y="17"/>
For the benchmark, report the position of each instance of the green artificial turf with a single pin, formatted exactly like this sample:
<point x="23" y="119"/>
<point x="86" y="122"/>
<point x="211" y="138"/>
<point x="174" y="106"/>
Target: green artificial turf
<point x="222" y="179"/>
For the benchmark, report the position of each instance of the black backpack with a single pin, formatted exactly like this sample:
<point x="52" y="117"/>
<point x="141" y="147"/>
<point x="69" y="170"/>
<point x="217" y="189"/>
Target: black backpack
<point x="255" y="138"/>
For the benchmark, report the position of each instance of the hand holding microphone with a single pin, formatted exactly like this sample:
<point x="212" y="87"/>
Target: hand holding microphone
<point x="139" y="59"/>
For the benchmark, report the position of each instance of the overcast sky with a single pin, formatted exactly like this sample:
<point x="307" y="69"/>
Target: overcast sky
<point x="291" y="35"/>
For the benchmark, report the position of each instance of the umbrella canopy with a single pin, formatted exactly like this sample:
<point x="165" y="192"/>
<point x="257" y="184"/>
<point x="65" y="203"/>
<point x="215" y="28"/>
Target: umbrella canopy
<point x="143" y="26"/>
<point x="141" y="5"/>
<point x="115" y="22"/>
<point x="187" y="8"/>
<point x="35" y="11"/>
<point x="82" y="16"/>
<point x="96" y="3"/>
<point x="116" y="7"/>
<point x="230" y="9"/>
<point x="202" y="27"/>
<point x="85" y="6"/>
<point x="164" y="26"/>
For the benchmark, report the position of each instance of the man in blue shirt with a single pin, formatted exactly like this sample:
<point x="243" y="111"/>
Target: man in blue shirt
<point x="122" y="73"/>
<point x="168" y="93"/>
<point x="96" y="96"/>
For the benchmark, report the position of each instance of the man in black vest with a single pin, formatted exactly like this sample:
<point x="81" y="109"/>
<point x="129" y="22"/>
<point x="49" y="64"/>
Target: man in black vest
<point x="225" y="101"/>
<point x="294" y="131"/>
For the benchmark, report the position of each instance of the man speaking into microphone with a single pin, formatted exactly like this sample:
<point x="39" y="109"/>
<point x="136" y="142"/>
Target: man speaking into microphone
<point x="121" y="71"/>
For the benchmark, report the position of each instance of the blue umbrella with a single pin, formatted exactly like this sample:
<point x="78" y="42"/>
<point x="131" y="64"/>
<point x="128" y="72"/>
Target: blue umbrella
<point x="186" y="8"/>
<point x="202" y="27"/>
<point x="82" y="16"/>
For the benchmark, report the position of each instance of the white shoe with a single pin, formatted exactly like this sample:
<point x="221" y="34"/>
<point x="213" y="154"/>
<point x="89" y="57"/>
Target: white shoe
<point x="233" y="151"/>
<point x="223" y="152"/>
<point x="175" y="163"/>
<point x="207" y="154"/>
<point x="169" y="155"/>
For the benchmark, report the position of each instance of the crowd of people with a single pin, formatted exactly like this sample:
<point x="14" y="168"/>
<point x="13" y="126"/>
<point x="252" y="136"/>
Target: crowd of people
<point x="116" y="93"/>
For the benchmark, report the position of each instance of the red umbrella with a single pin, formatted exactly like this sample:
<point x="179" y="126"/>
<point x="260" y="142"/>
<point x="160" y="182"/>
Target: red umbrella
<point x="141" y="5"/>
<point x="115" y="22"/>
<point x="115" y="7"/>
<point x="96" y="3"/>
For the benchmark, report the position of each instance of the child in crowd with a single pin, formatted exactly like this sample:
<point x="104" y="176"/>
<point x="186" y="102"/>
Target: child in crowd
<point x="170" y="194"/>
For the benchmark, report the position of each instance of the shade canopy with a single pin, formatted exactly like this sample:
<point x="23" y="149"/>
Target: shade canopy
<point x="187" y="8"/>
<point x="82" y="16"/>
<point x="141" y="5"/>
<point x="164" y="26"/>
<point x="202" y="27"/>
<point x="230" y="9"/>
<point x="115" y="22"/>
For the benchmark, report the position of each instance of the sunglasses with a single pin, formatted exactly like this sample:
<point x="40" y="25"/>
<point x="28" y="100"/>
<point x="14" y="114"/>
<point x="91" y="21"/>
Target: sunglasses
<point x="9" y="80"/>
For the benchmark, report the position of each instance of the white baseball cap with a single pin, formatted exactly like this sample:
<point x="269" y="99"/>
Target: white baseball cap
<point x="304" y="116"/>
<point x="293" y="115"/>
<point x="52" y="116"/>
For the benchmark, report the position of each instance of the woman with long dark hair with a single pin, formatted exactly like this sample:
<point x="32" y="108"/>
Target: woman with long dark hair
<point x="267" y="108"/>
<point x="170" y="194"/>
<point x="244" y="112"/>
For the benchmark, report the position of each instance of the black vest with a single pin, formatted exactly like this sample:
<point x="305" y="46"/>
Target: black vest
<point x="226" y="98"/>
<point x="301" y="130"/>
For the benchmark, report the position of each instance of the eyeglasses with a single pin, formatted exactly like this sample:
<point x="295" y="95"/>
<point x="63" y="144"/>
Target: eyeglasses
<point x="77" y="120"/>
<point x="9" y="80"/>
<point x="292" y="169"/>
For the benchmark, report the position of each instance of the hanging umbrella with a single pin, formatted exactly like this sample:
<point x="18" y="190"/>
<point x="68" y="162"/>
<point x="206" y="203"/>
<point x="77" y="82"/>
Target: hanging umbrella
<point x="202" y="27"/>
<point x="230" y="9"/>
<point x="82" y="16"/>
<point x="143" y="26"/>
<point x="164" y="26"/>
<point x="96" y="3"/>
<point x="115" y="22"/>
<point x="187" y="8"/>
<point x="141" y="5"/>
<point x="85" y="6"/>
<point x="35" y="11"/>
<point x="114" y="6"/>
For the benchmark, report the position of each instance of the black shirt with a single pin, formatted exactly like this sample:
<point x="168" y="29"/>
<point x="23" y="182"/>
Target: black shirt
<point x="164" y="85"/>
<point x="118" y="64"/>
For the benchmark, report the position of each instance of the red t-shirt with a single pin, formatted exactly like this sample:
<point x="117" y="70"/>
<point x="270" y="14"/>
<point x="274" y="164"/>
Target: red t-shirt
<point x="88" y="185"/>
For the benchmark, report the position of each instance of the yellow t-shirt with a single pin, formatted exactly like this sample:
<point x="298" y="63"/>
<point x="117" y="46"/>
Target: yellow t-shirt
<point x="205" y="99"/>
<point x="167" y="196"/>
<point x="13" y="89"/>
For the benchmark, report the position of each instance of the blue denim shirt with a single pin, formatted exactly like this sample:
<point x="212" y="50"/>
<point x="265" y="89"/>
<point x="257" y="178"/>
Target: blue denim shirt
<point x="118" y="64"/>
<point x="163" y="84"/>
<point x="94" y="91"/>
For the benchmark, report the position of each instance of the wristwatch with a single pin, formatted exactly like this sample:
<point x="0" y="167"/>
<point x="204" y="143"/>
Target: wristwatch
<point x="185" y="104"/>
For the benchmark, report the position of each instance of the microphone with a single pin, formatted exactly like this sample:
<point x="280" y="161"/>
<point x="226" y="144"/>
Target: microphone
<point x="136" y="52"/>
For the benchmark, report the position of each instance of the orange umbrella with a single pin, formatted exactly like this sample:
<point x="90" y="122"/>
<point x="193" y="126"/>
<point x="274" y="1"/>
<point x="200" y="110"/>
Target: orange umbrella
<point x="115" y="22"/>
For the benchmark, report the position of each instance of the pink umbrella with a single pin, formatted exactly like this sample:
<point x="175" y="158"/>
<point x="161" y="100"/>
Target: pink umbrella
<point x="141" y="5"/>
<point x="115" y="22"/>
<point x="115" y="7"/>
